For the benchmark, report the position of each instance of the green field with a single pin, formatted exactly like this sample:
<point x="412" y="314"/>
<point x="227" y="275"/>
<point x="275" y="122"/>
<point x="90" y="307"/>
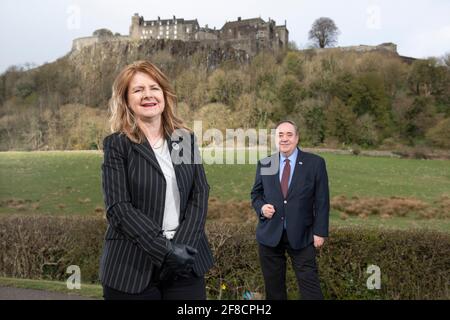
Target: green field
<point x="69" y="183"/>
<point x="351" y="176"/>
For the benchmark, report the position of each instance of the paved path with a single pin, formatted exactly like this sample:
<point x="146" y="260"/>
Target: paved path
<point x="10" y="293"/>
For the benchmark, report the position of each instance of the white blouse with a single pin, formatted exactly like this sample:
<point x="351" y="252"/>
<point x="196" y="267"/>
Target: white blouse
<point x="172" y="204"/>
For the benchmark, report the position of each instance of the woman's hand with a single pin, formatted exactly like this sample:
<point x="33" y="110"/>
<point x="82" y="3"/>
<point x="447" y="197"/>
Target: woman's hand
<point x="178" y="262"/>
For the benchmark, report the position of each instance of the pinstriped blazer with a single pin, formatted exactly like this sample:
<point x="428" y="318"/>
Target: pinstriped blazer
<point x="134" y="193"/>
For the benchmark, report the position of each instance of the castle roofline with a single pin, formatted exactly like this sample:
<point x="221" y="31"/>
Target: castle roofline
<point x="205" y="29"/>
<point x="243" y="21"/>
<point x="171" y="21"/>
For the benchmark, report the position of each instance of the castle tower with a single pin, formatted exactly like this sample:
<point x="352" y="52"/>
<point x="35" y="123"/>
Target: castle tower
<point x="135" y="26"/>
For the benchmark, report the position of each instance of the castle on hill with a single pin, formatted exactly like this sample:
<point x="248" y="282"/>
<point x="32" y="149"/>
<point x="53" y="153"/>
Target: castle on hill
<point x="250" y="35"/>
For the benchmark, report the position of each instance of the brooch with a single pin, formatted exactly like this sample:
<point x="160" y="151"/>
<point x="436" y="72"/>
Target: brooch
<point x="175" y="146"/>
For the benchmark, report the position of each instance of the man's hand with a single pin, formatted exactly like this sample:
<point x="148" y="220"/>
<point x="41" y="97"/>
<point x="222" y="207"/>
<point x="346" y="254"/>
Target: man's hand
<point x="268" y="210"/>
<point x="318" y="241"/>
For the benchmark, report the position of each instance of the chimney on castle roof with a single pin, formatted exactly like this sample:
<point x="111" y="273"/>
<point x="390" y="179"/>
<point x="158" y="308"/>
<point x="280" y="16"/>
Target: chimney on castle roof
<point x="206" y="26"/>
<point x="174" y="18"/>
<point x="239" y="18"/>
<point x="159" y="18"/>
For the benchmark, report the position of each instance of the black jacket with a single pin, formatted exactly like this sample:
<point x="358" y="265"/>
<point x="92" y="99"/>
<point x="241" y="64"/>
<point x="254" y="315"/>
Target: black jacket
<point x="134" y="193"/>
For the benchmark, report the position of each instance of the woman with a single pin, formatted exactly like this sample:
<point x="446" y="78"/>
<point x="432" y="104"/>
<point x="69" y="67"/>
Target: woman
<point x="156" y="204"/>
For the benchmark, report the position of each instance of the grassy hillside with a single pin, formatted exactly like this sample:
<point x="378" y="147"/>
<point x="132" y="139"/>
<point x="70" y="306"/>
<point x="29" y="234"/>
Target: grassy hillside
<point x="337" y="98"/>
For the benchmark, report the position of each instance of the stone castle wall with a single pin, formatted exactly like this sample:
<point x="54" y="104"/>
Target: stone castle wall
<point x="81" y="43"/>
<point x="386" y="47"/>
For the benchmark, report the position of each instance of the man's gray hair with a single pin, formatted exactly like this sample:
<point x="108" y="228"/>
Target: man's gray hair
<point x="290" y="122"/>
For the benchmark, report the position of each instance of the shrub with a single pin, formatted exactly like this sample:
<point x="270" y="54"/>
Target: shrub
<point x="439" y="135"/>
<point x="414" y="264"/>
<point x="341" y="121"/>
<point x="392" y="206"/>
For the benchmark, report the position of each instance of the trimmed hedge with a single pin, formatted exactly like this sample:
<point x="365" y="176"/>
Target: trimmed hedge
<point x="414" y="264"/>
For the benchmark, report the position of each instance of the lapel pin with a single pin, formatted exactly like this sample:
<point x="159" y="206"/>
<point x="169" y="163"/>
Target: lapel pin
<point x="300" y="163"/>
<point x="175" y="146"/>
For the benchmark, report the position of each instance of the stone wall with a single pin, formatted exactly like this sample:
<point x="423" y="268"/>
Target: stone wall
<point x="387" y="47"/>
<point x="81" y="43"/>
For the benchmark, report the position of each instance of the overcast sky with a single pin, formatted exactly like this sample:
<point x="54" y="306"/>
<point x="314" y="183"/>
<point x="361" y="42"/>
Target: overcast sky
<point x="38" y="31"/>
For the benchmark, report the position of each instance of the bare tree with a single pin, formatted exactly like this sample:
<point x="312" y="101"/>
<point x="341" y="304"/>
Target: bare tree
<point x="324" y="33"/>
<point x="446" y="59"/>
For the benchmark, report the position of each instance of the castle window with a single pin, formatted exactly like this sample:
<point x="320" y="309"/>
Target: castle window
<point x="175" y="31"/>
<point x="151" y="31"/>
<point x="187" y="30"/>
<point x="145" y="24"/>
<point x="157" y="37"/>
<point x="167" y="28"/>
<point x="175" y="36"/>
<point x="153" y="23"/>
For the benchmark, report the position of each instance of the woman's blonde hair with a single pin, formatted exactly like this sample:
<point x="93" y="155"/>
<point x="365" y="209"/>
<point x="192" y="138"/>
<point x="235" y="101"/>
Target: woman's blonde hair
<point x="122" y="117"/>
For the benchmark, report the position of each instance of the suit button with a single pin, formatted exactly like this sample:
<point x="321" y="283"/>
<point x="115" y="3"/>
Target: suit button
<point x="285" y="201"/>
<point x="282" y="218"/>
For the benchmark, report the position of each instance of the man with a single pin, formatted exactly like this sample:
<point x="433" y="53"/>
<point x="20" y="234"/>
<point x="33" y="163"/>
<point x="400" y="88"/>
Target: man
<point x="291" y="199"/>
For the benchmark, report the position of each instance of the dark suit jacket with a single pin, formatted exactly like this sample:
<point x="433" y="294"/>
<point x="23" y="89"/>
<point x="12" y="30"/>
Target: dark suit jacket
<point x="134" y="193"/>
<point x="306" y="208"/>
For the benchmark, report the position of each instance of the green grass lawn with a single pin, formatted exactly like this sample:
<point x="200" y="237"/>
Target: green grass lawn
<point x="351" y="176"/>
<point x="50" y="182"/>
<point x="67" y="183"/>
